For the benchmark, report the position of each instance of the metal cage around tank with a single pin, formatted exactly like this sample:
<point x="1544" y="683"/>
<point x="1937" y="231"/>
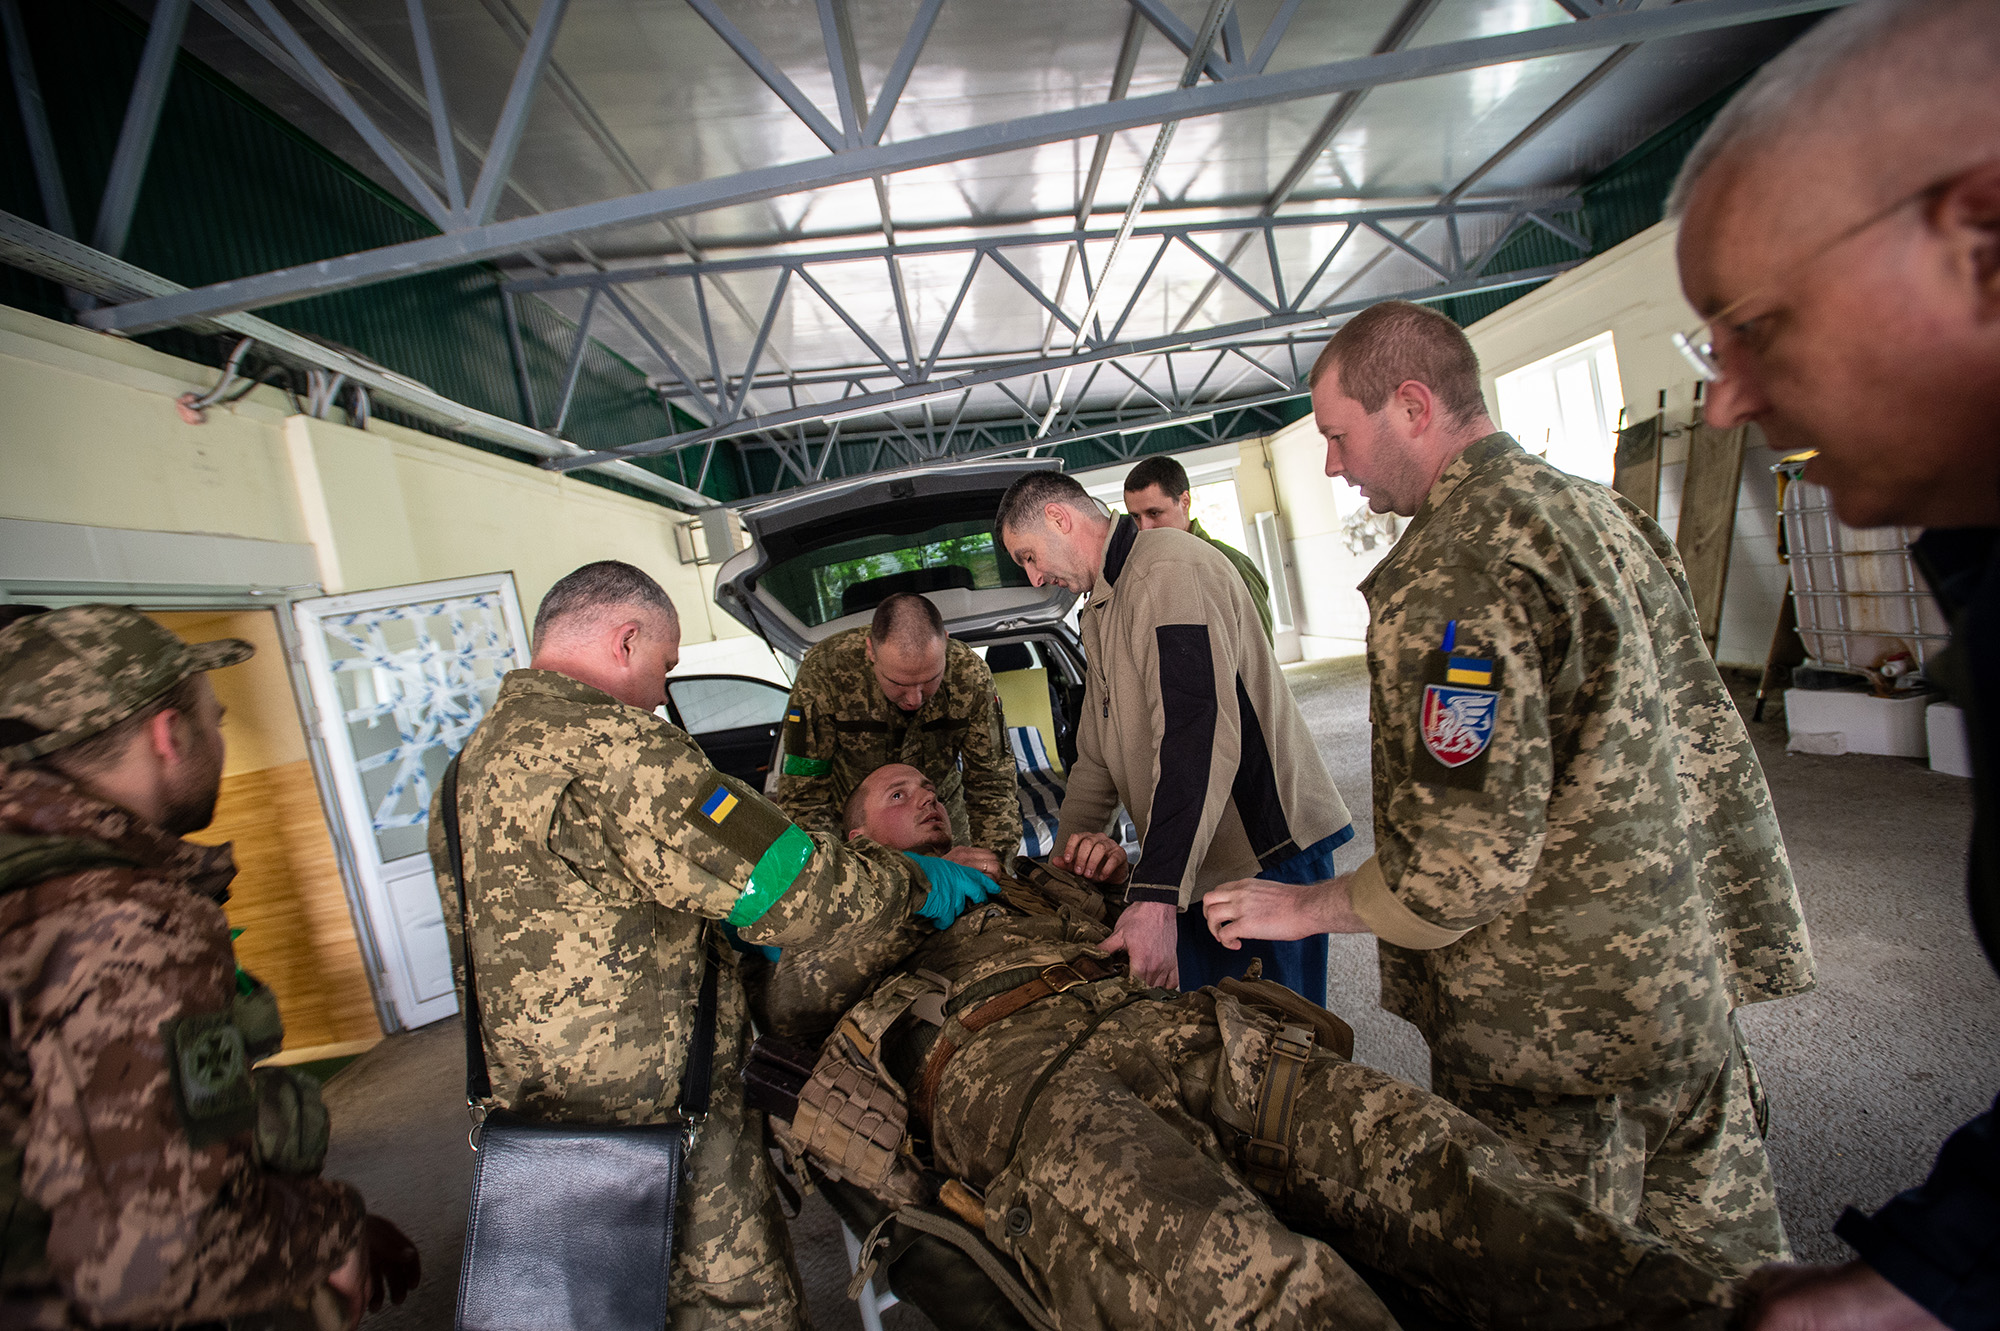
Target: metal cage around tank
<point x="1859" y="597"/>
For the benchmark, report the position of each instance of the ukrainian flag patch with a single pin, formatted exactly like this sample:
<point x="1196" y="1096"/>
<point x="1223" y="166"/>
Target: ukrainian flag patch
<point x="1473" y="670"/>
<point x="794" y="715"/>
<point x="719" y="805"/>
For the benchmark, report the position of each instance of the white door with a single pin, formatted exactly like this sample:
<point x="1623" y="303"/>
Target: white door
<point x="399" y="679"/>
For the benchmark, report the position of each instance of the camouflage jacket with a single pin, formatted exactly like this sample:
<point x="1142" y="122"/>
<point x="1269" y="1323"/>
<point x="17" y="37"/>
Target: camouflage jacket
<point x="1246" y="568"/>
<point x="125" y="1099"/>
<point x="1578" y="869"/>
<point x="599" y="845"/>
<point x="839" y="728"/>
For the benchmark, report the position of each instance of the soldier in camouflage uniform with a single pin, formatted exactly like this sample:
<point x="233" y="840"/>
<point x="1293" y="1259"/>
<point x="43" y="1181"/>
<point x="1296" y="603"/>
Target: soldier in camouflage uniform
<point x="601" y="853"/>
<point x="1578" y="872"/>
<point x="1157" y="494"/>
<point x="901" y="691"/>
<point x="1106" y="1124"/>
<point x="148" y="1175"/>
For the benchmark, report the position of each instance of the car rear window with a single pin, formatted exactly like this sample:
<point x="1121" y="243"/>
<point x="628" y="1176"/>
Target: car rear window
<point x="854" y="576"/>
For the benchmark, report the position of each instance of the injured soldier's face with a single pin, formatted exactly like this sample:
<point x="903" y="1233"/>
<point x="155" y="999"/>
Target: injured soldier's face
<point x="898" y="807"/>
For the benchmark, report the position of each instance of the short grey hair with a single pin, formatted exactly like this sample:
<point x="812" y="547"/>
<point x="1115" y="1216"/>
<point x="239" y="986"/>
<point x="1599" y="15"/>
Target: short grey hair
<point x="1818" y="68"/>
<point x="1028" y="496"/>
<point x="593" y="591"/>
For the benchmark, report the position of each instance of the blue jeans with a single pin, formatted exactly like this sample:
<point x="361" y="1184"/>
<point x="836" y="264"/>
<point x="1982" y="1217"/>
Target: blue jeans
<point x="1300" y="965"/>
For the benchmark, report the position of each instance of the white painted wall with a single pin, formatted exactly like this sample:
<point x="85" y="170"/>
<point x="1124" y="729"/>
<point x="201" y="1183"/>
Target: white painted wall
<point x="91" y="437"/>
<point x="1632" y="292"/>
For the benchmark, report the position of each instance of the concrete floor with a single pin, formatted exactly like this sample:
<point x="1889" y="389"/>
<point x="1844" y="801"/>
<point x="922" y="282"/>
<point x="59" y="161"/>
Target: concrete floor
<point x="1866" y="1075"/>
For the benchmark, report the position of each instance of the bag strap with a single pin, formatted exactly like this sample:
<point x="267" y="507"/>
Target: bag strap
<point x="478" y="1084"/>
<point x="26" y="860"/>
<point x="697" y="1079"/>
<point x="1004" y="1275"/>
<point x="1267" y="1156"/>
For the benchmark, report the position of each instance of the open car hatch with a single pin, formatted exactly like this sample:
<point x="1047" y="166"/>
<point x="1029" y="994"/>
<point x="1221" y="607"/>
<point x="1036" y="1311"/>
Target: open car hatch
<point x="821" y="561"/>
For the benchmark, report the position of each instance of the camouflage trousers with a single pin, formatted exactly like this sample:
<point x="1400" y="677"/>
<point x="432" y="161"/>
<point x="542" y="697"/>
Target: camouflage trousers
<point x="732" y="1253"/>
<point x="1112" y="1176"/>
<point x="1683" y="1159"/>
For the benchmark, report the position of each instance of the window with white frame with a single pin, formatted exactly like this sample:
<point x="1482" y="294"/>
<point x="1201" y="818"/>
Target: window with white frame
<point x="1565" y="407"/>
<point x="1211" y="484"/>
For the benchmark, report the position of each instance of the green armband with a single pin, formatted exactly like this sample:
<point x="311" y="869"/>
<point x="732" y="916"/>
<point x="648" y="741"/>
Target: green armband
<point x="798" y="766"/>
<point x="776" y="870"/>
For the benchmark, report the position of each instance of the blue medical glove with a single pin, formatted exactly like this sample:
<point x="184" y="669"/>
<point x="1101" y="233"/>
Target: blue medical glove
<point x="954" y="889"/>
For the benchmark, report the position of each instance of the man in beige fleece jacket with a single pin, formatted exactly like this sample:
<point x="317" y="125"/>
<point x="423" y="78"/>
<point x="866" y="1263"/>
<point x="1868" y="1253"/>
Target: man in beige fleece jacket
<point x="1188" y="722"/>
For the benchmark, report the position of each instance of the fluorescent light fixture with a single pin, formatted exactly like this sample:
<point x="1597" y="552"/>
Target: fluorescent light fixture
<point x="1166" y="424"/>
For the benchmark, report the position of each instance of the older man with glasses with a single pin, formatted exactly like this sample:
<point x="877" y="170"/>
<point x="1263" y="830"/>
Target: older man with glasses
<point x="1841" y="233"/>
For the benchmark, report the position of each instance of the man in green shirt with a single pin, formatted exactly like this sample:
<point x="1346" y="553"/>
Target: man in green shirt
<point x="1157" y="495"/>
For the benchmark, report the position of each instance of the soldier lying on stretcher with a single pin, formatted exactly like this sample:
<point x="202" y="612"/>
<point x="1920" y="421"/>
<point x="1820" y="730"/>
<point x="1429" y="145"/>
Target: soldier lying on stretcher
<point x="1152" y="1158"/>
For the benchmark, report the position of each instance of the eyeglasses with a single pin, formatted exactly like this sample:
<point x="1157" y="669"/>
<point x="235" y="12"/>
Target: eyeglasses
<point x="1698" y="345"/>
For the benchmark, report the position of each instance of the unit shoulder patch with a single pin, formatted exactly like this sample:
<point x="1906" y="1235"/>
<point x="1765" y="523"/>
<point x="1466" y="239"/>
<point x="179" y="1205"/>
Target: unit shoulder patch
<point x="208" y="1065"/>
<point x="1456" y="714"/>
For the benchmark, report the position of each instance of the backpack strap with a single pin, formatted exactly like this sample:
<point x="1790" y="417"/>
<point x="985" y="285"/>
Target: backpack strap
<point x="26" y="860"/>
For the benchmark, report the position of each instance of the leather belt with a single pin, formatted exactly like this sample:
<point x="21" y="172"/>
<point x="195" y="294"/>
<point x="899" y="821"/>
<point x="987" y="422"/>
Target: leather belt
<point x="1057" y="979"/>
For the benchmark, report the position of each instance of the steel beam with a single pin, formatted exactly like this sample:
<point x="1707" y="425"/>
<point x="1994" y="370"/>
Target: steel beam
<point x="840" y="63"/>
<point x="1413" y="16"/>
<point x="335" y="94"/>
<point x="471" y="245"/>
<point x="853" y="378"/>
<point x="913" y="394"/>
<point x="899" y="72"/>
<point x="1274" y="32"/>
<point x="1554" y="112"/>
<point x="35" y="121"/>
<point x="523" y="380"/>
<point x="142" y="121"/>
<point x="357" y="45"/>
<point x="420" y="32"/>
<point x="1099" y="430"/>
<point x="710" y="407"/>
<point x="575" y="368"/>
<point x="992" y="244"/>
<point x="1181" y="35"/>
<point x="1200" y="46"/>
<point x="774" y="78"/>
<point x="514" y="113"/>
<point x="997" y="250"/>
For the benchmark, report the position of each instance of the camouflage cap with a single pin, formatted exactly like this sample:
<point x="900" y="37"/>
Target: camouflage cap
<point x="73" y="673"/>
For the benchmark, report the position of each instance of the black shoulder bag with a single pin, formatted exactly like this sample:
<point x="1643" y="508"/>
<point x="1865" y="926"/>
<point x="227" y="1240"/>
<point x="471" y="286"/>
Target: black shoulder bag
<point x="571" y="1225"/>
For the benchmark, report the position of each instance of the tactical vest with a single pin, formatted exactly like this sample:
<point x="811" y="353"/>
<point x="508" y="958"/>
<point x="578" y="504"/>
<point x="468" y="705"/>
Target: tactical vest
<point x="280" y="1106"/>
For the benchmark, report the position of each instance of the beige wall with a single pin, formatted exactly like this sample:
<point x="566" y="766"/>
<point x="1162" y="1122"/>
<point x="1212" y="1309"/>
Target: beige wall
<point x="1633" y="292"/>
<point x="260" y="723"/>
<point x="92" y="437"/>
